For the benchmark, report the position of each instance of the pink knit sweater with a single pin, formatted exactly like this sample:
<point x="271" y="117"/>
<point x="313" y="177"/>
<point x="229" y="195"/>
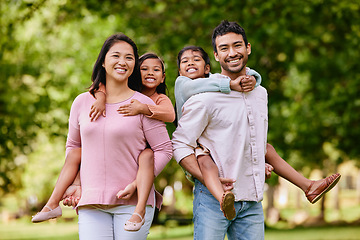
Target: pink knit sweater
<point x="110" y="148"/>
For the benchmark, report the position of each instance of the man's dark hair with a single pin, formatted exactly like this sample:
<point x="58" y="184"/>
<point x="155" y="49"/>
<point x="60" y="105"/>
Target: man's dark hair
<point x="227" y="27"/>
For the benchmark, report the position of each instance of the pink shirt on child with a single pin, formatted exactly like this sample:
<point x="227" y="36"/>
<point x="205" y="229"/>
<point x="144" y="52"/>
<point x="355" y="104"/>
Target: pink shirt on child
<point x="110" y="149"/>
<point x="163" y="110"/>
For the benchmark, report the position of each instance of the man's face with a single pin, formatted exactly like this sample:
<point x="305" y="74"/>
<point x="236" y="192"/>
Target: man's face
<point x="232" y="54"/>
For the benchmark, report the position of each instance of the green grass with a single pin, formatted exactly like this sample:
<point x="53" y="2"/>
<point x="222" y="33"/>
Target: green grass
<point x="24" y="230"/>
<point x="321" y="233"/>
<point x="64" y="228"/>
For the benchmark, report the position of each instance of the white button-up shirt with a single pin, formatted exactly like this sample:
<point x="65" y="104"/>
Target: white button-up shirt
<point x="234" y="128"/>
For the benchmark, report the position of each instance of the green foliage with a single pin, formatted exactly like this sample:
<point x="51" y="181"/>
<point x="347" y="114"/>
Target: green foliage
<point x="306" y="52"/>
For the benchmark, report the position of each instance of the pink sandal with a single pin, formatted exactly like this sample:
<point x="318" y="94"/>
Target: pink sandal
<point x="43" y="216"/>
<point x="134" y="226"/>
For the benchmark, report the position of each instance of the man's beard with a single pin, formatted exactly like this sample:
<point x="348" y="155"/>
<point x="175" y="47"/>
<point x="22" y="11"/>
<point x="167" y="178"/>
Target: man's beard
<point x="236" y="69"/>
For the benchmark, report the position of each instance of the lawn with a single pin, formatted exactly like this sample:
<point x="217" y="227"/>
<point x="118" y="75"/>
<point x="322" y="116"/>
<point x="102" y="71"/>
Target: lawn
<point x="66" y="227"/>
<point x="24" y="230"/>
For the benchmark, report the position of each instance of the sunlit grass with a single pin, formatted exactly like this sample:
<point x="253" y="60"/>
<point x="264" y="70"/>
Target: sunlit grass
<point x="66" y="227"/>
<point x="24" y="229"/>
<point x="57" y="230"/>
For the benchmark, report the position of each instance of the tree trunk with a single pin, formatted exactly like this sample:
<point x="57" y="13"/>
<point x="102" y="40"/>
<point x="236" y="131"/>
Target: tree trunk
<point x="270" y="196"/>
<point x="272" y="214"/>
<point x="358" y="187"/>
<point x="337" y="194"/>
<point x="322" y="213"/>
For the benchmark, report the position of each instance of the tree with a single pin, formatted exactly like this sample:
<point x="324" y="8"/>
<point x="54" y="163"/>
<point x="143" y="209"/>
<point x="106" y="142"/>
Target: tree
<point x="306" y="52"/>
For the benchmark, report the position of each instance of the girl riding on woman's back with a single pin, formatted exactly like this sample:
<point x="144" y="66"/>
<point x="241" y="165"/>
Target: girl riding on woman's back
<point x="152" y="71"/>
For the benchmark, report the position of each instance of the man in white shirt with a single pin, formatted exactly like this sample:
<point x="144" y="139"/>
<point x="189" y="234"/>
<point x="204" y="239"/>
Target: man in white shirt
<point x="234" y="128"/>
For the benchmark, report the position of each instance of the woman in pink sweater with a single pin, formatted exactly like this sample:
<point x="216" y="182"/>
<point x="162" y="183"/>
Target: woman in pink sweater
<point x="110" y="146"/>
<point x="152" y="69"/>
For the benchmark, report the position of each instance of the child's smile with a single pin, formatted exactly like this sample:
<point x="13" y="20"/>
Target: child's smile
<point x="151" y="73"/>
<point x="192" y="65"/>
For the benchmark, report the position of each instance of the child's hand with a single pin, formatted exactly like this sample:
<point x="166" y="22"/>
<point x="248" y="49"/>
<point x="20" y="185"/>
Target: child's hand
<point x="98" y="108"/>
<point x="248" y="83"/>
<point x="236" y="84"/>
<point x="268" y="170"/>
<point x="134" y="108"/>
<point x="127" y="193"/>
<point x="227" y="183"/>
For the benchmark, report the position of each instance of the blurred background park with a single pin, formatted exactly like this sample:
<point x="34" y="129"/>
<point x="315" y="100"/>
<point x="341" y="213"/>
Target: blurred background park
<point x="306" y="51"/>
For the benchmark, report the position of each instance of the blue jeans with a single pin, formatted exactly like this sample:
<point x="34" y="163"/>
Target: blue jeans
<point x="210" y="223"/>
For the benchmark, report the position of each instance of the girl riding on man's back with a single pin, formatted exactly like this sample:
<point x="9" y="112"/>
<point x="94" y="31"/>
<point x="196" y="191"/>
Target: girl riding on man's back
<point x="194" y="68"/>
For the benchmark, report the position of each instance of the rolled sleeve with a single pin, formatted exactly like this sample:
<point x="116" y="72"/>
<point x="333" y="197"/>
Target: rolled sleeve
<point x="186" y="87"/>
<point x="190" y="127"/>
<point x="163" y="110"/>
<point x="252" y="72"/>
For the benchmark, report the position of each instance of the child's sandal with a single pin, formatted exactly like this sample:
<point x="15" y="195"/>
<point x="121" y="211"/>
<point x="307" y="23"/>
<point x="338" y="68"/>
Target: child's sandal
<point x="43" y="216"/>
<point x="324" y="187"/>
<point x="227" y="205"/>
<point x="134" y="226"/>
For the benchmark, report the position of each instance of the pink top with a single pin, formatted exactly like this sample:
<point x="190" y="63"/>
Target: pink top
<point x="110" y="149"/>
<point x="163" y="110"/>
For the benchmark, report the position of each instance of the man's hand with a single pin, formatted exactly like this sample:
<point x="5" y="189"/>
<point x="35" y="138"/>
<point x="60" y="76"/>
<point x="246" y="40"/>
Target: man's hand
<point x="128" y="192"/>
<point x="228" y="184"/>
<point x="268" y="170"/>
<point x="134" y="108"/>
<point x="72" y="196"/>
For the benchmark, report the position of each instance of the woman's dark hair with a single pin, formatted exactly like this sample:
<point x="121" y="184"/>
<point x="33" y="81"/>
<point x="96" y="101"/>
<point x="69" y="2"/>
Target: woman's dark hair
<point x="227" y="27"/>
<point x="162" y="88"/>
<point x="203" y="54"/>
<point x="99" y="73"/>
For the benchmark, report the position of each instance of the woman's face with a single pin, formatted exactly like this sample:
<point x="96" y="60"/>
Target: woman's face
<point x="192" y="65"/>
<point x="119" y="62"/>
<point x="151" y="73"/>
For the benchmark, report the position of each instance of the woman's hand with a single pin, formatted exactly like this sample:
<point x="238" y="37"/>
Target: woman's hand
<point x="72" y="196"/>
<point x="134" y="108"/>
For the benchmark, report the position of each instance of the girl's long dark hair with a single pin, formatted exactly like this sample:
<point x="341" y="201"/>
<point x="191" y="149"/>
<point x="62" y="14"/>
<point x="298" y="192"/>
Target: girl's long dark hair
<point x="99" y="73"/>
<point x="202" y="52"/>
<point x="162" y="88"/>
